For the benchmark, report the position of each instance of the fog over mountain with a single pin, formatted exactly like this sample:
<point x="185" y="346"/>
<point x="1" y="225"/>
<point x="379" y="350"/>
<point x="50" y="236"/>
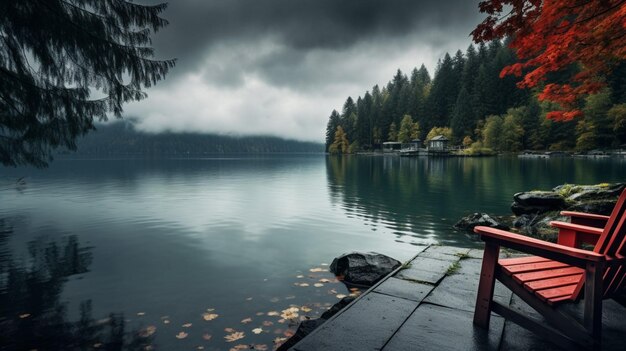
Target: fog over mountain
<point x="279" y="67"/>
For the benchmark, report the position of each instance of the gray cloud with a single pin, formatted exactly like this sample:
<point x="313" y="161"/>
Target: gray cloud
<point x="278" y="66"/>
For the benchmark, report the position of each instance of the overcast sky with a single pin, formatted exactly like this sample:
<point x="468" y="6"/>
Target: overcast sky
<point x="279" y="67"/>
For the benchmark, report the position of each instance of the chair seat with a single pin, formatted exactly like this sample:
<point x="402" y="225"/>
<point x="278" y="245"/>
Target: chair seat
<point x="551" y="281"/>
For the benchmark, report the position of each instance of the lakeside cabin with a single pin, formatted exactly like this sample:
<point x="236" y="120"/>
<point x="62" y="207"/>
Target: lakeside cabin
<point x="438" y="144"/>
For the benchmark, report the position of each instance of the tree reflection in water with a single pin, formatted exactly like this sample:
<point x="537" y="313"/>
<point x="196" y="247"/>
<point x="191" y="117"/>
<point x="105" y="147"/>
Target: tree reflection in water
<point x="32" y="315"/>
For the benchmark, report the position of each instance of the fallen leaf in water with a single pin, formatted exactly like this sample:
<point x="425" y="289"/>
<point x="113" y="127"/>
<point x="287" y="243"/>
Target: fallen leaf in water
<point x="210" y="309"/>
<point x="246" y="320"/>
<point x="260" y="347"/>
<point x="187" y="325"/>
<point x="260" y="313"/>
<point x="166" y="321"/>
<point x="324" y="280"/>
<point x="149" y="330"/>
<point x="206" y="336"/>
<point x="141" y="313"/>
<point x="257" y="330"/>
<point x="239" y="347"/>
<point x="209" y="316"/>
<point x="324" y="264"/>
<point x="24" y="315"/>
<point x="340" y="296"/>
<point x="305" y="309"/>
<point x="273" y="313"/>
<point x="288" y="333"/>
<point x="229" y="330"/>
<point x="235" y="336"/>
<point x="300" y="276"/>
<point x="249" y="299"/>
<point x="318" y="285"/>
<point x="279" y="340"/>
<point x="317" y="269"/>
<point x="97" y="345"/>
<point x="281" y="321"/>
<point x="200" y="347"/>
<point x="304" y="284"/>
<point x="267" y="323"/>
<point x="332" y="291"/>
<point x="355" y="289"/>
<point x="181" y="335"/>
<point x="289" y="314"/>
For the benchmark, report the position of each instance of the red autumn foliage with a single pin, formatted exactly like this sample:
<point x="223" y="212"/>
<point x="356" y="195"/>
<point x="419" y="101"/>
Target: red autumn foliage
<point x="550" y="35"/>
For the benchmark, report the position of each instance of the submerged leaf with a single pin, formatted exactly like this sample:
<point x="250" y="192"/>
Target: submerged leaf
<point x="206" y="336"/>
<point x="234" y="336"/>
<point x="257" y="330"/>
<point x="246" y="320"/>
<point x="181" y="335"/>
<point x="209" y="316"/>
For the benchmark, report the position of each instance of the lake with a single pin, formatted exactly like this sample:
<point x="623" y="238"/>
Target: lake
<point x="214" y="253"/>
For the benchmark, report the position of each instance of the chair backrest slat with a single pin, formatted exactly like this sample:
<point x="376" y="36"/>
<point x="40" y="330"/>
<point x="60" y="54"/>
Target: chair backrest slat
<point x="610" y="243"/>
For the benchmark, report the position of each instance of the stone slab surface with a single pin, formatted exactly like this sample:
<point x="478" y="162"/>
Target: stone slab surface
<point x="367" y="325"/>
<point x="439" y="328"/>
<point x="427" y="270"/>
<point x="404" y="288"/>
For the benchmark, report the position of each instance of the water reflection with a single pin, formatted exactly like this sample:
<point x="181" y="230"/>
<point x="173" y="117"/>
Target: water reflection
<point x="421" y="198"/>
<point x="33" y="317"/>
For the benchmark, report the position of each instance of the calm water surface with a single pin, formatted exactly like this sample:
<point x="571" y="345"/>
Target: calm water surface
<point x="184" y="253"/>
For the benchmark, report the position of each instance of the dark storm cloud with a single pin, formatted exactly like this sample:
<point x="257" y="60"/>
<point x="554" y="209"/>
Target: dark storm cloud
<point x="279" y="67"/>
<point x="197" y="25"/>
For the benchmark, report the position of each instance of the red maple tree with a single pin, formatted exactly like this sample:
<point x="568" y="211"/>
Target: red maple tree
<point x="550" y="35"/>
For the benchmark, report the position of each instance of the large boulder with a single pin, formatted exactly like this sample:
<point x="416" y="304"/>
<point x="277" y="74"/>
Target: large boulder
<point x="479" y="219"/>
<point x="363" y="269"/>
<point x="603" y="207"/>
<point x="533" y="202"/>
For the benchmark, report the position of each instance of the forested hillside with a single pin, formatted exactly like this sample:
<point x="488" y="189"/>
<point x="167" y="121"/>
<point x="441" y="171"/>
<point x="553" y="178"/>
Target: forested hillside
<point x="468" y="101"/>
<point x="122" y="139"/>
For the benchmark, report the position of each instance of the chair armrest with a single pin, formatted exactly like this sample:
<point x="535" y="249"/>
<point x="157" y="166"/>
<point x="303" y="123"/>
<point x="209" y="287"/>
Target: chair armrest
<point x="573" y="235"/>
<point x="562" y="253"/>
<point x="577" y="227"/>
<point x="588" y="219"/>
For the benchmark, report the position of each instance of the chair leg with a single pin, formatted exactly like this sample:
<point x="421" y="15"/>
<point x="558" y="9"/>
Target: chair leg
<point x="593" y="301"/>
<point x="484" y="298"/>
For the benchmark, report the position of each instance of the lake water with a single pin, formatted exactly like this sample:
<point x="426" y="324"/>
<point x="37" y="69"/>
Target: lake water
<point x="206" y="253"/>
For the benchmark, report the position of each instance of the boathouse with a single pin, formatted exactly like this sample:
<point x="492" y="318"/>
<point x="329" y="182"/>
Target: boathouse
<point x="438" y="143"/>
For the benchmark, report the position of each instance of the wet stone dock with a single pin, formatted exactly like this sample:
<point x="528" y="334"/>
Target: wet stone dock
<point x="428" y="304"/>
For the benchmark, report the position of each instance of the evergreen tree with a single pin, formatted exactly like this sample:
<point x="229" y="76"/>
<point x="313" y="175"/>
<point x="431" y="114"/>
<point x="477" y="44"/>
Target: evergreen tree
<point x="462" y="123"/>
<point x="333" y="122"/>
<point x="53" y="54"/>
<point x="441" y="101"/>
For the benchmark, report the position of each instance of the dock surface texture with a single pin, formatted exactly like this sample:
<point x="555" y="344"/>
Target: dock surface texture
<point x="428" y="304"/>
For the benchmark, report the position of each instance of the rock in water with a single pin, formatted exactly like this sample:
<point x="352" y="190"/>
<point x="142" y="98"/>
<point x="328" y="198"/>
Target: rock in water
<point x="532" y="202"/>
<point x="363" y="269"/>
<point x="469" y="222"/>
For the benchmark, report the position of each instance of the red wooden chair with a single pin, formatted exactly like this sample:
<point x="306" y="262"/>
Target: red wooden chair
<point x="557" y="274"/>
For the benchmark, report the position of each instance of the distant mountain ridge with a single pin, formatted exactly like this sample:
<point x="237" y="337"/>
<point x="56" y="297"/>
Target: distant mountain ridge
<point x="122" y="139"/>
